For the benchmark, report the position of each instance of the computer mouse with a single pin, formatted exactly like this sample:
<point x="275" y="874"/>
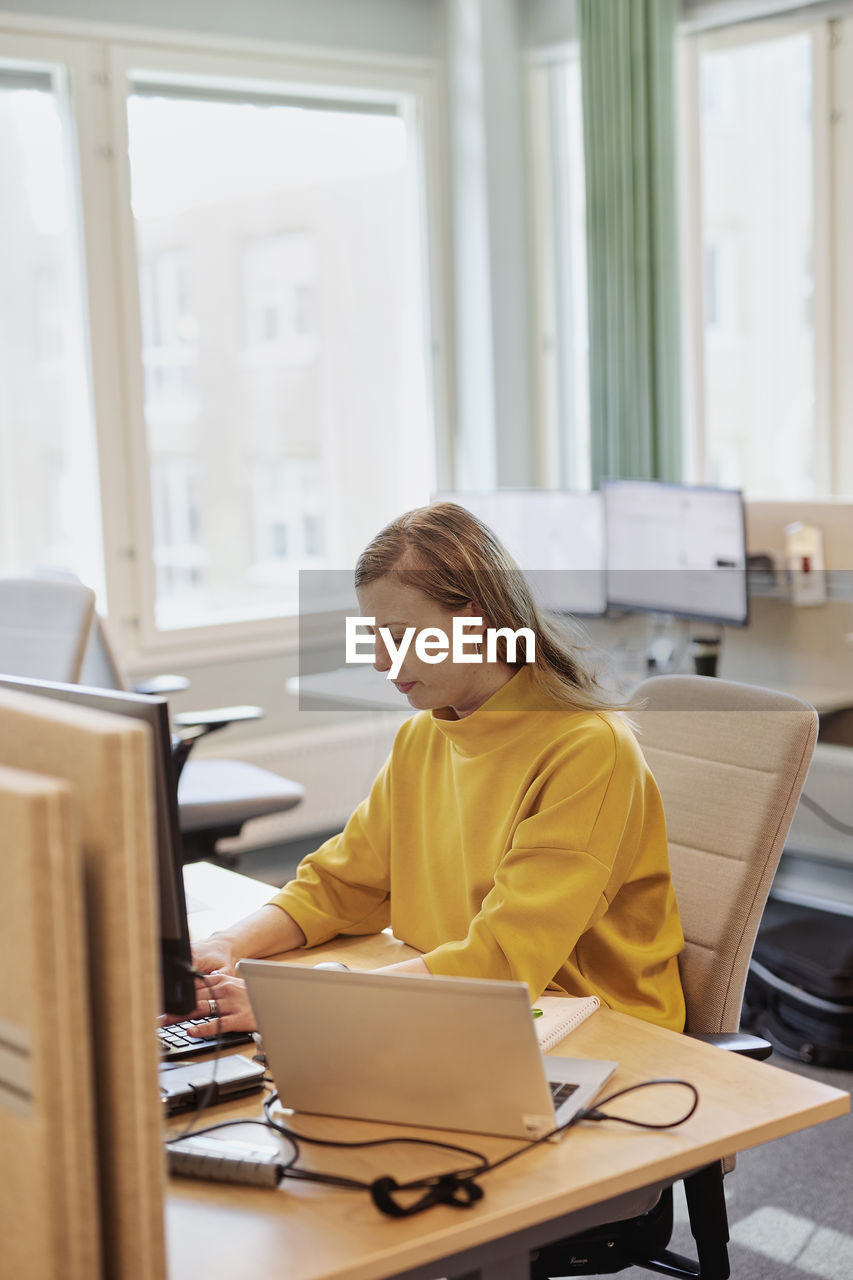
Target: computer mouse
<point x="332" y="964"/>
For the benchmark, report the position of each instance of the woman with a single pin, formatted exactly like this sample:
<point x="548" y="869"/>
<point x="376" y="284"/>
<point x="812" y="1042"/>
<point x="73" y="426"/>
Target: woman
<point x="514" y="832"/>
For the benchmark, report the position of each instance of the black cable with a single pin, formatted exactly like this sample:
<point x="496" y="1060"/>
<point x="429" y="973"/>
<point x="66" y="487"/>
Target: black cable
<point x="827" y="817"/>
<point x="451" y="1184"/>
<point x="459" y="1187"/>
<point x="296" y="1138"/>
<point x="595" y="1113"/>
<point x="205" y="1095"/>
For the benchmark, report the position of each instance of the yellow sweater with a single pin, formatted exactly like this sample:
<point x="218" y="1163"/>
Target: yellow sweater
<point x="522" y="842"/>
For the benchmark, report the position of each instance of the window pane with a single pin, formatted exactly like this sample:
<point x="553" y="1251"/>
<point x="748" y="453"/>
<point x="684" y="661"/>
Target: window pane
<point x="757" y="226"/>
<point x="559" y="200"/>
<point x="283" y="343"/>
<point x="49" y="507"/>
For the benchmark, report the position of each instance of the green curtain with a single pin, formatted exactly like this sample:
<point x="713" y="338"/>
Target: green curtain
<point x="628" y="77"/>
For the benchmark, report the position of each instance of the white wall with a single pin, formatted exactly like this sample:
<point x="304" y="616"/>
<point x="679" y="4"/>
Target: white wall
<point x="389" y="26"/>
<point x="547" y="22"/>
<point x="705" y="14"/>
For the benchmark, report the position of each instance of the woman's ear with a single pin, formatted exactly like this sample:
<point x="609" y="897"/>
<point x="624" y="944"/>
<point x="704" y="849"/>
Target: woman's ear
<point x="473" y="610"/>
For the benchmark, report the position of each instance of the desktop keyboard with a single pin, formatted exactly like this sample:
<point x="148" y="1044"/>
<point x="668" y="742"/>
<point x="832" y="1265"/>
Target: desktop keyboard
<point x="176" y="1042"/>
<point x="560" y="1091"/>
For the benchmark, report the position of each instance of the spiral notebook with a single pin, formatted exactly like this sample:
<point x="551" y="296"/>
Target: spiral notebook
<point x="560" y="1015"/>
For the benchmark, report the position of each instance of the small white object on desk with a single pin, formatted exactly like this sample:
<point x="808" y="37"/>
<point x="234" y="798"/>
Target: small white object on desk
<point x="806" y="566"/>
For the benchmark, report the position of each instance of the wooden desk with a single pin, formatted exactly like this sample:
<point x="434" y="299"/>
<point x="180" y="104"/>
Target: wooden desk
<point x="824" y="698"/>
<point x="310" y="1232"/>
<point x="357" y="686"/>
<point x="362" y="687"/>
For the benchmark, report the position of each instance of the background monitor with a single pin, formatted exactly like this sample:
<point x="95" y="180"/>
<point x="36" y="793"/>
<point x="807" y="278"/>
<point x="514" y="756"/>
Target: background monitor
<point x="676" y="549"/>
<point x="176" y="958"/>
<point x="555" y="537"/>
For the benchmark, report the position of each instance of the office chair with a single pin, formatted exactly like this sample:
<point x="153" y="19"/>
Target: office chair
<point x="44" y="627"/>
<point x="730" y="761"/>
<point x="49" y="631"/>
<point x="215" y="797"/>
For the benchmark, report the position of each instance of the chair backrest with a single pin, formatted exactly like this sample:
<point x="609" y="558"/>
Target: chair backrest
<point x="730" y="761"/>
<point x="44" y="626"/>
<point x="101" y="668"/>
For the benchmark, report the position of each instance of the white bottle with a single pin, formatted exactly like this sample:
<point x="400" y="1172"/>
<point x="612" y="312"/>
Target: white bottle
<point x="806" y="568"/>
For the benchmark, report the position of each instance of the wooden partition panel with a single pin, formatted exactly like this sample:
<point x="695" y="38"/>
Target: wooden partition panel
<point x="49" y="1213"/>
<point x="106" y="760"/>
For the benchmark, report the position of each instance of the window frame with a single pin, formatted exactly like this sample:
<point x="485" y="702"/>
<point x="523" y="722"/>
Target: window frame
<point x="97" y="60"/>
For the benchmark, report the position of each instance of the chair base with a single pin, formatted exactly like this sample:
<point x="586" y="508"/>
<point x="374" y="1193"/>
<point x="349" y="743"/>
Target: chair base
<point x="642" y="1241"/>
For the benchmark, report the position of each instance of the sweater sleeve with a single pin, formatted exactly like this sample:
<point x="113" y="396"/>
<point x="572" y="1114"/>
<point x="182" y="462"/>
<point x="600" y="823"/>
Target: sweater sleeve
<point x="343" y="887"/>
<point x="549" y="887"/>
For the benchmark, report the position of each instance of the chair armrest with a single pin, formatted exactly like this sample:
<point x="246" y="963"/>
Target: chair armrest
<point x="192" y="725"/>
<point x="182" y="745"/>
<point x="162" y="685"/>
<point x="738" y="1042"/>
<point x="215" y="718"/>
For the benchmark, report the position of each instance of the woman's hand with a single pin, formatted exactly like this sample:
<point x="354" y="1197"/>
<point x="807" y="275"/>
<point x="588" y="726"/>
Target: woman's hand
<point x="223" y="1001"/>
<point x="215" y="955"/>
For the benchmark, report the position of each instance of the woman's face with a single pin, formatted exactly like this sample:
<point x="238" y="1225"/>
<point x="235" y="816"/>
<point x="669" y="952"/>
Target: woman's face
<point x="462" y="686"/>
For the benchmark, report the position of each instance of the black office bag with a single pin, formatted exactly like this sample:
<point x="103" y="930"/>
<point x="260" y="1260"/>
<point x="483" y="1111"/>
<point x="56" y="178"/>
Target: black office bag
<point x="799" y="990"/>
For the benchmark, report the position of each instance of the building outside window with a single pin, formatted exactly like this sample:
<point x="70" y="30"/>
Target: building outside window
<point x="282" y="317"/>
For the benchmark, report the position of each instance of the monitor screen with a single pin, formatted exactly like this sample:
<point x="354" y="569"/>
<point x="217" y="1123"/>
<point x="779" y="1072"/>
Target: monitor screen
<point x="555" y="537"/>
<point x="676" y="549"/>
<point x="178" y="985"/>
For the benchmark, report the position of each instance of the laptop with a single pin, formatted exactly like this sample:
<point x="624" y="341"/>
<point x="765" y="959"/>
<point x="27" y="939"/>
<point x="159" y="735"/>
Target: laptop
<point x="447" y="1053"/>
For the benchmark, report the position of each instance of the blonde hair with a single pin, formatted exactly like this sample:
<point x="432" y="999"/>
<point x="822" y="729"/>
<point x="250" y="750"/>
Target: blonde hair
<point x="444" y="551"/>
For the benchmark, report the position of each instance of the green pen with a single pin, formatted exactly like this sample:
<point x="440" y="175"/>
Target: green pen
<point x="537" y="1013"/>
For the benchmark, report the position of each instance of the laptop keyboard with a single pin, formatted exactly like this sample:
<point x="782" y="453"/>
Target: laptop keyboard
<point x="560" y="1091"/>
<point x="176" y="1042"/>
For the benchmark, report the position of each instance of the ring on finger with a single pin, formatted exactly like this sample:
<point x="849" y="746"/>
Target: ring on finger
<point x="214" y="1008"/>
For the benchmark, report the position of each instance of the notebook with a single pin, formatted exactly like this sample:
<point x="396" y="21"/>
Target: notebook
<point x="448" y="1053"/>
<point x="556" y="1016"/>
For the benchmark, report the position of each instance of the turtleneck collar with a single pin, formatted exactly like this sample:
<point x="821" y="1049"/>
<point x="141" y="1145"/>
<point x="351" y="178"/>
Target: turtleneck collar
<point x="500" y="717"/>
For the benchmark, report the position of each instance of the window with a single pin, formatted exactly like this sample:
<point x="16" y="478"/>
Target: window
<point x="288" y="520"/>
<point x="282" y="317"/>
<point x="218" y="259"/>
<point x="280" y="282"/>
<point x="757" y="400"/>
<point x="169" y="338"/>
<point x="179" y="551"/>
<point x="559" y="242"/>
<point x="722" y="290"/>
<point x="49" y="509"/>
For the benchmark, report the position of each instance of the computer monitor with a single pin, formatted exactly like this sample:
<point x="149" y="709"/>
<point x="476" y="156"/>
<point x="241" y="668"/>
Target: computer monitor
<point x="555" y="537"/>
<point x="176" y="959"/>
<point x="676" y="549"/>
